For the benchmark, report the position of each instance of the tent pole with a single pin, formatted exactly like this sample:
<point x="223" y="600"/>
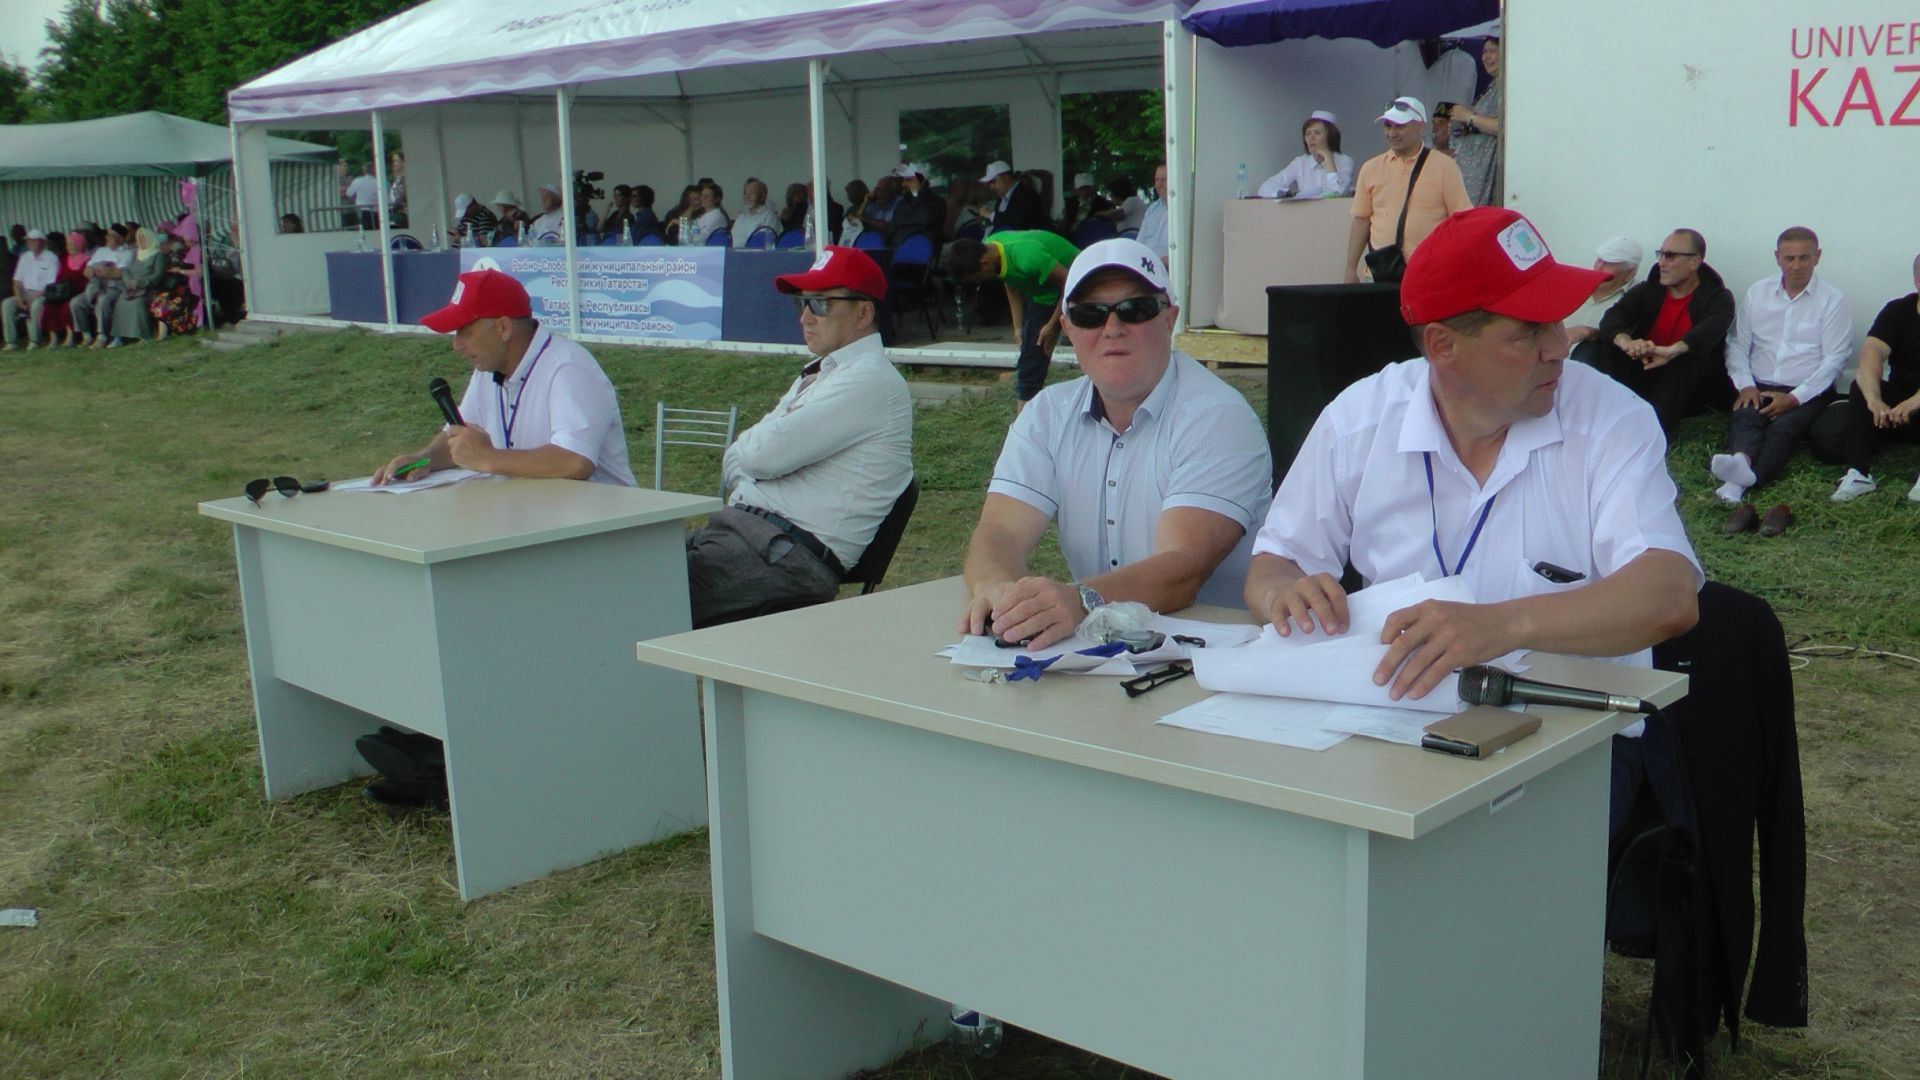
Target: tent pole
<point x="519" y="149"/>
<point x="1180" y="224"/>
<point x="240" y="222"/>
<point x="379" y="153"/>
<point x="563" y="106"/>
<point x="446" y="200"/>
<point x="817" y="122"/>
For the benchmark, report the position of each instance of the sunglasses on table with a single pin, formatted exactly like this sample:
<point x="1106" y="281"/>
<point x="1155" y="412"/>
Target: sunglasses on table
<point x="287" y="486"/>
<point x="820" y="305"/>
<point x="1134" y="309"/>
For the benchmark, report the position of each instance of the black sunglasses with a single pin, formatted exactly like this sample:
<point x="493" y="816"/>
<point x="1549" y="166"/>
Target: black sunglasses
<point x="820" y="305"/>
<point x="1663" y="253"/>
<point x="1135" y="309"/>
<point x="285" y="485"/>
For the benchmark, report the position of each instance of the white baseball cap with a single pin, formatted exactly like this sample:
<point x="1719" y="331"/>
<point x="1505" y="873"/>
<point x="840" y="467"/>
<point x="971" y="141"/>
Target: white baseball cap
<point x="1129" y="255"/>
<point x="996" y="168"/>
<point x="1620" y="249"/>
<point x="1405" y="110"/>
<point x="1324" y="116"/>
<point x="554" y="188"/>
<point x="1084" y="179"/>
<point x="907" y="170"/>
<point x="36" y="234"/>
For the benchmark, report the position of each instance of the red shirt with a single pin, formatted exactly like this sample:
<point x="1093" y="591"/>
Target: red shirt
<point x="1674" y="320"/>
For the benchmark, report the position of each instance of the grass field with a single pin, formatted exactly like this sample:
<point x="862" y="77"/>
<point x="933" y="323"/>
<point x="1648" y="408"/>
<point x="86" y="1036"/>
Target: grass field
<point x="190" y="928"/>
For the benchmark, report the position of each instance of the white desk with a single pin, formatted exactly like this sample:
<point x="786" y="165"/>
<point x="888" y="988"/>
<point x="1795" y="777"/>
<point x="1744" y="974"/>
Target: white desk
<point x="1277" y="242"/>
<point x="495" y="615"/>
<point x="888" y="836"/>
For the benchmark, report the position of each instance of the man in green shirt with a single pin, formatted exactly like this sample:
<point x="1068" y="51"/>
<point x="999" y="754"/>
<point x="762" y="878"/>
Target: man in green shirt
<point x="1032" y="264"/>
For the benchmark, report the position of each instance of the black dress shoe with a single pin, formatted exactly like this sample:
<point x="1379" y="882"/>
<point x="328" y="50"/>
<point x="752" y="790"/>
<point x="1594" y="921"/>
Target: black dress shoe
<point x="1775" y="520"/>
<point x="1743" y="519"/>
<point x="406" y="762"/>
<point x="387" y="792"/>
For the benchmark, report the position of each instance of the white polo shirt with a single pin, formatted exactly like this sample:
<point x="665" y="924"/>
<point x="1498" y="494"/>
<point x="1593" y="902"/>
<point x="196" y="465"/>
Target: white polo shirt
<point x="121" y="256"/>
<point x="836" y="451"/>
<point x="1194" y="442"/>
<point x="36" y="272"/>
<point x="1584" y="487"/>
<point x="558" y="396"/>
<point x="1801" y="341"/>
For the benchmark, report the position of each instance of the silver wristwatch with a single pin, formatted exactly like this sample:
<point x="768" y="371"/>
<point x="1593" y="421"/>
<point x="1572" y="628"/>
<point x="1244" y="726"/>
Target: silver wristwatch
<point x="1090" y="598"/>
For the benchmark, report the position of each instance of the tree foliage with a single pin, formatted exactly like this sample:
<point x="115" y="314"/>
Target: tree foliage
<point x="19" y="102"/>
<point x="1114" y="135"/>
<point x="109" y="57"/>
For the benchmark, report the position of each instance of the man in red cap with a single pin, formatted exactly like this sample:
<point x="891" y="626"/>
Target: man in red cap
<point x="537" y="404"/>
<point x="1544" y="484"/>
<point x="808" y="485"/>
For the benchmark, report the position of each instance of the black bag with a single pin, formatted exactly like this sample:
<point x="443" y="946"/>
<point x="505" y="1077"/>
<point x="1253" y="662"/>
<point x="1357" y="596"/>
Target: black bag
<point x="58" y="292"/>
<point x="1389" y="264"/>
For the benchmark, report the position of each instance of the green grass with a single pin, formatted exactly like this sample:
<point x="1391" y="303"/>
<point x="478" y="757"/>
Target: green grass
<point x="191" y="928"/>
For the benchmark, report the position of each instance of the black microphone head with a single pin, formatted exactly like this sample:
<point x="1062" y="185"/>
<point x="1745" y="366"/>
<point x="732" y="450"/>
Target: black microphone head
<point x="1482" y="685"/>
<point x="437" y="386"/>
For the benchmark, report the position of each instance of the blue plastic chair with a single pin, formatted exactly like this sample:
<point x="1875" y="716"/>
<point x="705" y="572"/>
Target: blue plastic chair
<point x="792" y="238"/>
<point x="764" y="238"/>
<point x="975" y="231"/>
<point x="870" y="240"/>
<point x="650" y="239"/>
<point x="1092" y="231"/>
<point x="720" y="238"/>
<point x="586" y="240"/>
<point x="1130" y="234"/>
<point x="507" y="241"/>
<point x="405" y="242"/>
<point x="910" y="279"/>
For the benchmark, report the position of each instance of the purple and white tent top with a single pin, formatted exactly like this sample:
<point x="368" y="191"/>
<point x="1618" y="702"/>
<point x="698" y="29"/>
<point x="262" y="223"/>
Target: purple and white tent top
<point x="450" y="49"/>
<point x="1383" y="22"/>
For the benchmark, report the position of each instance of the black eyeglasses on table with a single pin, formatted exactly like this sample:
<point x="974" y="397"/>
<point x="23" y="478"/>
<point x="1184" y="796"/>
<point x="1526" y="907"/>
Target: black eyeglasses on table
<point x="1134" y="309"/>
<point x="1158" y="677"/>
<point x="285" y="485"/>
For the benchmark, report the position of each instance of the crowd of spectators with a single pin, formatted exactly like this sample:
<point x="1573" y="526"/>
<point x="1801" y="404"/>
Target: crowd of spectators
<point x="99" y="288"/>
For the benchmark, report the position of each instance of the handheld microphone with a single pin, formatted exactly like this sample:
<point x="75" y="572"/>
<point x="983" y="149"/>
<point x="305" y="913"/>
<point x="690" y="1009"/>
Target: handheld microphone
<point x="1482" y="685"/>
<point x="443" y="397"/>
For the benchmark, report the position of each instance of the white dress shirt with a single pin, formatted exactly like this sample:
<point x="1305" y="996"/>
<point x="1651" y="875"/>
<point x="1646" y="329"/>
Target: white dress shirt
<point x="549" y="226"/>
<point x="836" y="451"/>
<point x="752" y="221"/>
<point x="1584" y="487"/>
<point x="365" y="193"/>
<point x="36" y="272"/>
<point x="1153" y="227"/>
<point x="1800" y="341"/>
<point x="695" y="233"/>
<point x="1194" y="442"/>
<point x="1303" y="178"/>
<point x="558" y="396"/>
<point x="121" y="256"/>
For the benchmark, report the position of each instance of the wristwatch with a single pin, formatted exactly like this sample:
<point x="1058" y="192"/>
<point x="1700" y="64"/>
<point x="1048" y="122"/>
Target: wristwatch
<point x="1090" y="598"/>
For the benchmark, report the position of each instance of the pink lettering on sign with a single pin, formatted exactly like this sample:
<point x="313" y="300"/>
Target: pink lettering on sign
<point x="1900" y="117"/>
<point x="1800" y="101"/>
<point x="1866" y="101"/>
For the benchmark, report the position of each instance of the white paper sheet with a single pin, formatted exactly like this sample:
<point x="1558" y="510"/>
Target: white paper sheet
<point x="408" y="487"/>
<point x="1282" y="721"/>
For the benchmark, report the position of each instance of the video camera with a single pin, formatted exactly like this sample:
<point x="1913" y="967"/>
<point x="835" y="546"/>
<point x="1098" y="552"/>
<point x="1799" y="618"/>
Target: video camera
<point x="584" y="193"/>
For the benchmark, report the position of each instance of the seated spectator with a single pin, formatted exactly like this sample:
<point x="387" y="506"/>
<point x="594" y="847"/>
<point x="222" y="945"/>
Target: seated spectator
<point x="1619" y="259"/>
<point x="397" y="188"/>
<point x="793" y="214"/>
<point x="1185" y="464"/>
<point x="1153" y="220"/>
<point x="708" y="219"/>
<point x="1133" y="208"/>
<point x="17" y="239"/>
<point x="617" y="222"/>
<point x="93" y="309"/>
<point x="132" y="322"/>
<point x="551" y="226"/>
<point x="755" y="214"/>
<point x="962" y="195"/>
<point x="291" y="223"/>
<point x="172" y="303"/>
<point x="1669" y="333"/>
<point x="917" y="209"/>
<point x="1085" y="202"/>
<point x="878" y="215"/>
<point x="1886" y="392"/>
<point x="70" y="280"/>
<point x="34" y="270"/>
<point x="857" y="194"/>
<point x="682" y="215"/>
<point x="1322" y="170"/>
<point x="511" y="220"/>
<point x="1789" y="340"/>
<point x="1017" y="206"/>
<point x="473" y="223"/>
<point x="800" y="215"/>
<point x="644" y="219"/>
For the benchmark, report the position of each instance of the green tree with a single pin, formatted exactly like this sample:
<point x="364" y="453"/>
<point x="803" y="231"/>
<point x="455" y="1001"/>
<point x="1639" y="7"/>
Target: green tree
<point x="19" y="102"/>
<point x="1113" y="135"/>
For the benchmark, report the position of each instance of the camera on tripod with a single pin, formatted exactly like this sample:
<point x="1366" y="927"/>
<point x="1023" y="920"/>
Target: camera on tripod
<point x="584" y="193"/>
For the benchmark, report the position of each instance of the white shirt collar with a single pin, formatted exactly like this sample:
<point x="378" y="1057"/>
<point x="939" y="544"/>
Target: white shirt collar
<point x="1422" y="432"/>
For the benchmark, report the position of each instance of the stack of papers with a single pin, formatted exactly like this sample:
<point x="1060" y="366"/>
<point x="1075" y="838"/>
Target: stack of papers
<point x="978" y="650"/>
<point x="408" y="487"/>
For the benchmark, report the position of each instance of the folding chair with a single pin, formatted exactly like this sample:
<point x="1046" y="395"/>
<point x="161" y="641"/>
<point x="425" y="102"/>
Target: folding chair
<point x="872" y="567"/>
<point x="910" y="278"/>
<point x="406" y="242"/>
<point x="1092" y="231"/>
<point x="720" y="238"/>
<point x="792" y="238"/>
<point x="763" y="238"/>
<point x="650" y="239"/>
<point x="690" y="427"/>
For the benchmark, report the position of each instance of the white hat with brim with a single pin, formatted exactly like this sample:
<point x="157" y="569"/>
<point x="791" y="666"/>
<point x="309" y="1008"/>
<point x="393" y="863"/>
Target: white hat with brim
<point x="1405" y="110"/>
<point x="1324" y="116"/>
<point x="1121" y="253"/>
<point x="995" y="168"/>
<point x="506" y="198"/>
<point x="1620" y="249"/>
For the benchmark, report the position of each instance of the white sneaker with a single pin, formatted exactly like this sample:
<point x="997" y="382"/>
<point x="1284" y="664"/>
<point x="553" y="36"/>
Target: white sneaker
<point x="1852" y="486"/>
<point x="1732" y="469"/>
<point x="1913" y="493"/>
<point x="1733" y="493"/>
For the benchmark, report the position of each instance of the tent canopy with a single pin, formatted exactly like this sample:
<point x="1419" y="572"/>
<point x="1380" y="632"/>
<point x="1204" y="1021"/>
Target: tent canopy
<point x="1385" y="23"/>
<point x="137" y="144"/>
<point x="450" y="49"/>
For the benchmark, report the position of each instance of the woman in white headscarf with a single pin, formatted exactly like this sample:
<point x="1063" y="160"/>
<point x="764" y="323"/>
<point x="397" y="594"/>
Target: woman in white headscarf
<point x="132" y="322"/>
<point x="1321" y="171"/>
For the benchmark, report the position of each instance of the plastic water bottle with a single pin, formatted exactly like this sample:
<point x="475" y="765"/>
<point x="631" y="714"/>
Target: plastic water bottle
<point x="523" y="234"/>
<point x="360" y="237"/>
<point x="809" y="226"/>
<point x="436" y="238"/>
<point x="976" y="1033"/>
<point x="626" y="233"/>
<point x="1240" y="180"/>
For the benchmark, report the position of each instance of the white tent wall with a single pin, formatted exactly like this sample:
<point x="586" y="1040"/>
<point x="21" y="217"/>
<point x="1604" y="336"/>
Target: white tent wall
<point x="1251" y="102"/>
<point x="1709" y="136"/>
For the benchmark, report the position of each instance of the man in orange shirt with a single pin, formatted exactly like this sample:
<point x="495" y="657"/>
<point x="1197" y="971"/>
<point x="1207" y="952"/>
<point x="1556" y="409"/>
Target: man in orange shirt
<point x="1380" y="190"/>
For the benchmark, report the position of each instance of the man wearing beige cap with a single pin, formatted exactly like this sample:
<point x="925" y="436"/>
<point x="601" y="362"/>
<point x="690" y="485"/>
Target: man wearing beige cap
<point x="1402" y="195"/>
<point x="35" y="270"/>
<point x="1017" y="205"/>
<point x="1154" y="470"/>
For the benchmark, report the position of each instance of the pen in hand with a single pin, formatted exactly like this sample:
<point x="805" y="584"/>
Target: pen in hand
<point x="410" y="466"/>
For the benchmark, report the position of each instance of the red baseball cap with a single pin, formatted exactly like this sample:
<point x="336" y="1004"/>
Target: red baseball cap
<point x="838" y="268"/>
<point x="480" y="294"/>
<point x="1491" y="259"/>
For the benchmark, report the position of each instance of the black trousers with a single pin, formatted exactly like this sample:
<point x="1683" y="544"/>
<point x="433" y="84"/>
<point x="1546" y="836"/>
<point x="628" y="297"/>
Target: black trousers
<point x="1863" y="439"/>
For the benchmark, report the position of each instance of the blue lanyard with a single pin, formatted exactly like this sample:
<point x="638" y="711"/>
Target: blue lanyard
<point x="508" y="417"/>
<point x="1435" y="510"/>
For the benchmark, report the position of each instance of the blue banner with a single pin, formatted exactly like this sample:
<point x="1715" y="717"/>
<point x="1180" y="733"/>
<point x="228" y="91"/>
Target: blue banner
<point x="652" y="292"/>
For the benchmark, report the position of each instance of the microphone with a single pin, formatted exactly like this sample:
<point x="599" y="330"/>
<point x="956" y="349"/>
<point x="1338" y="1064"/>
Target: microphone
<point x="443" y="397"/>
<point x="1482" y="685"/>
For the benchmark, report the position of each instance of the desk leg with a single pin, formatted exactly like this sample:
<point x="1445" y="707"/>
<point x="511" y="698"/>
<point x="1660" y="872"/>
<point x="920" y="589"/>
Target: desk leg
<point x="306" y="741"/>
<point x="786" y="1014"/>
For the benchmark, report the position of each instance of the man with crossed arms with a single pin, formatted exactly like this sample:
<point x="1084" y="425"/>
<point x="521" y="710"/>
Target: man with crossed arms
<point x="1155" y="469"/>
<point x="1543" y="483"/>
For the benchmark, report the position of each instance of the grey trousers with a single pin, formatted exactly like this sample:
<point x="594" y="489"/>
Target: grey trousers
<point x="739" y="562"/>
<point x="1769" y="443"/>
<point x="96" y="302"/>
<point x="11" y="313"/>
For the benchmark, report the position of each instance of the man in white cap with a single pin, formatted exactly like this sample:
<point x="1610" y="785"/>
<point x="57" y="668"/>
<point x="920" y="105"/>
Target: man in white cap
<point x="550" y="227"/>
<point x="1388" y="184"/>
<point x="1154" y="469"/>
<point x="506" y="208"/>
<point x="1542" y="484"/>
<point x="1668" y="335"/>
<point x="1085" y="202"/>
<point x="917" y="210"/>
<point x="1619" y="259"/>
<point x="1018" y="204"/>
<point x="808" y="486"/>
<point x="31" y="275"/>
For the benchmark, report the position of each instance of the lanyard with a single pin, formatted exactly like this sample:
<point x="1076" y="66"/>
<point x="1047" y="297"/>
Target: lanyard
<point x="1435" y="510"/>
<point x="508" y="417"/>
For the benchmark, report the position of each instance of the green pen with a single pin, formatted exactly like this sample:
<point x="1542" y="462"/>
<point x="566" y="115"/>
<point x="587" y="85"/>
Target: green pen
<point x="410" y="466"/>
